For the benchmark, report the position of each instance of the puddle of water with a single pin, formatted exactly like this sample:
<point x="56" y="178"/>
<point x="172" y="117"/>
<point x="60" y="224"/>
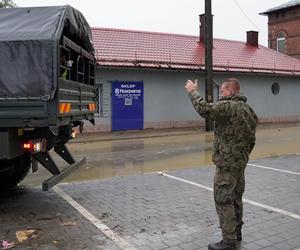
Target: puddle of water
<point x="138" y="156"/>
<point x="276" y="141"/>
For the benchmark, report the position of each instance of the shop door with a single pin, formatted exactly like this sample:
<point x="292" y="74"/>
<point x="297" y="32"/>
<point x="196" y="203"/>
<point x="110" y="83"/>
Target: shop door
<point x="127" y="105"/>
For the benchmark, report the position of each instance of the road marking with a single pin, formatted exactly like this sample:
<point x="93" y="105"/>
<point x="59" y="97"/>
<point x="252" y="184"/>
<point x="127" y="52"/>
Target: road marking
<point x="186" y="181"/>
<point x="274" y="209"/>
<point x="275" y="169"/>
<point x="95" y="221"/>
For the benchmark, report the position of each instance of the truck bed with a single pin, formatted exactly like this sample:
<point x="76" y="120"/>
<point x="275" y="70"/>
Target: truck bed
<point x="73" y="101"/>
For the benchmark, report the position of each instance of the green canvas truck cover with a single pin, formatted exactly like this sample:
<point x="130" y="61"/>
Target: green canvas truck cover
<point x="29" y="48"/>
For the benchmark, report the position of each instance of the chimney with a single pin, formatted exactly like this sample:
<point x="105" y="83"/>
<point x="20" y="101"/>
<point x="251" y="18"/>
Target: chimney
<point x="252" y="38"/>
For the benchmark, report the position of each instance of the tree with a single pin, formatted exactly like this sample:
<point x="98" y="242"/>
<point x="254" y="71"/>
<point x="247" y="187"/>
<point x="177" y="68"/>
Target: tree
<point x="7" y="4"/>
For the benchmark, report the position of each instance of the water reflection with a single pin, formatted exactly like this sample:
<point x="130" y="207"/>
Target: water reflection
<point x="138" y="156"/>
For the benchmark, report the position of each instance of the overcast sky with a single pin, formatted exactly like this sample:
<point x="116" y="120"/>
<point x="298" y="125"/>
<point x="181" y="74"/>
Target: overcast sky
<point x="232" y="18"/>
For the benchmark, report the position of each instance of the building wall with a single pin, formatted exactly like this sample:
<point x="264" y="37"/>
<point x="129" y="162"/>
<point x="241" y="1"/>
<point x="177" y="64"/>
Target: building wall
<point x="288" y="22"/>
<point x="167" y="105"/>
<point x="281" y="107"/>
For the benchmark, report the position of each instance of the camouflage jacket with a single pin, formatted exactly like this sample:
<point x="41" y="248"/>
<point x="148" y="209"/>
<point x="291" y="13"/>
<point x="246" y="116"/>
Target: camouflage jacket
<point x="235" y="126"/>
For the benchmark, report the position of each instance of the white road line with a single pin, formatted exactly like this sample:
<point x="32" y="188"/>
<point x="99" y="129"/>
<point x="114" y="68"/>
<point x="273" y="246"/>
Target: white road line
<point x="274" y="209"/>
<point x="275" y="169"/>
<point x="186" y="181"/>
<point x="95" y="221"/>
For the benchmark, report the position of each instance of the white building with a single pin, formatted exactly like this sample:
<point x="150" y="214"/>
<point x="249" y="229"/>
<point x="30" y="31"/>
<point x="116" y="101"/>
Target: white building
<point x="158" y="65"/>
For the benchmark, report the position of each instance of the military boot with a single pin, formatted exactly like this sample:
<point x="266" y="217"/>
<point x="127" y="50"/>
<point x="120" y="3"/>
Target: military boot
<point x="238" y="231"/>
<point x="223" y="245"/>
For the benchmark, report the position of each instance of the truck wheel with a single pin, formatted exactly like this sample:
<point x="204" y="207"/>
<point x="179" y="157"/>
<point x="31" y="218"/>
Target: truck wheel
<point x="13" y="171"/>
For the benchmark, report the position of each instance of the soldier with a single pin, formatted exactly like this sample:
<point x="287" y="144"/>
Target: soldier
<point x="235" y="126"/>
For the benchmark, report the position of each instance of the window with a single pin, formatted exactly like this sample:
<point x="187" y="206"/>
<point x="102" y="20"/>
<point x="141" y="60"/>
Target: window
<point x="275" y="88"/>
<point x="281" y="43"/>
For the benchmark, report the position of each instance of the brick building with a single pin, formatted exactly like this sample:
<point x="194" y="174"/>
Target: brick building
<point x="284" y="28"/>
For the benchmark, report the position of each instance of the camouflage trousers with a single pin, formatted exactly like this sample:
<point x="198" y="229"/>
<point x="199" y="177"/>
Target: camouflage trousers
<point x="229" y="187"/>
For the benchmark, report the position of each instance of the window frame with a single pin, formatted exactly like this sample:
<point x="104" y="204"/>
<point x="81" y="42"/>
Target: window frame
<point x="275" y="88"/>
<point x="280" y="38"/>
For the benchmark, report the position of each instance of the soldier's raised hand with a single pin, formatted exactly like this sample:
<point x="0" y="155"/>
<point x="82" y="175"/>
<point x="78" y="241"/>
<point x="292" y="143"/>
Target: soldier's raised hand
<point x="190" y="85"/>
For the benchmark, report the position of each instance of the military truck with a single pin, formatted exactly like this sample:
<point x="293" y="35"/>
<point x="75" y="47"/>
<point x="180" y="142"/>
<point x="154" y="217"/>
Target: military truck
<point x="47" y="88"/>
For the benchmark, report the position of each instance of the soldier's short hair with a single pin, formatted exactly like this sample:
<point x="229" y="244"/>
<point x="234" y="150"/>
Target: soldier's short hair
<point x="233" y="84"/>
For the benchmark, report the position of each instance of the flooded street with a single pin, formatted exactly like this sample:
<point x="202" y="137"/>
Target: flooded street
<point x="141" y="155"/>
<point x="174" y="210"/>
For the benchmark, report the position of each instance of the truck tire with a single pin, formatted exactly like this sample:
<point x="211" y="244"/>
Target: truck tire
<point x="14" y="171"/>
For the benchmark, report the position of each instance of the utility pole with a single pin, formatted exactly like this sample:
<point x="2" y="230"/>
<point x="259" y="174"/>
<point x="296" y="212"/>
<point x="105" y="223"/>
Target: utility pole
<point x="209" y="97"/>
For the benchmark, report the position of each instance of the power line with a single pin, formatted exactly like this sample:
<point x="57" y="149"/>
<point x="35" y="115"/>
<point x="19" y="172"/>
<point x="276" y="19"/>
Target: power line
<point x="249" y="19"/>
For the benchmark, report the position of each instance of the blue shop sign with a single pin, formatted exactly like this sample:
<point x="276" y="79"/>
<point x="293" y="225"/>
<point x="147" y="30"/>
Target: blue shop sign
<point x="127" y="105"/>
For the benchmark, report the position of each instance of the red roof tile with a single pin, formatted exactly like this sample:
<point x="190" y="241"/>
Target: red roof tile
<point x="126" y="48"/>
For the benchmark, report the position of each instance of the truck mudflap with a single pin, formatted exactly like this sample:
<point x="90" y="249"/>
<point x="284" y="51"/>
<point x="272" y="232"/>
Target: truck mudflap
<point x="45" y="159"/>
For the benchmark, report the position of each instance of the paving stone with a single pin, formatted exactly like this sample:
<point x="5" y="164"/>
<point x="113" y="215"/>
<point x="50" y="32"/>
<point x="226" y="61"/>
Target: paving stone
<point x="173" y="248"/>
<point x="251" y="246"/>
<point x="283" y="246"/>
<point x="189" y="246"/>
<point x="158" y="245"/>
<point x="264" y="243"/>
<point x="155" y="212"/>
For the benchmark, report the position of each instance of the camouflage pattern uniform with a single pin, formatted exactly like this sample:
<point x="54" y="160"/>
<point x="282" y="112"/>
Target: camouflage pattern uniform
<point x="235" y="126"/>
